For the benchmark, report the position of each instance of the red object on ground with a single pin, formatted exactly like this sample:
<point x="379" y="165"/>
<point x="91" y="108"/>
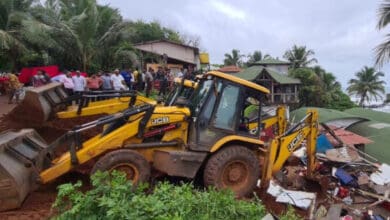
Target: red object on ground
<point x="3" y="79"/>
<point x="386" y="205"/>
<point x="343" y="192"/>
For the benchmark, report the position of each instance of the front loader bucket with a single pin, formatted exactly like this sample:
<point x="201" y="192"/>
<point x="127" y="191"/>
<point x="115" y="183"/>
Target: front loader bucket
<point x="43" y="102"/>
<point x="21" y="160"/>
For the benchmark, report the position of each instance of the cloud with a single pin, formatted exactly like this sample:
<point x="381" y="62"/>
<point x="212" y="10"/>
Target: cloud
<point x="341" y="33"/>
<point x="228" y="10"/>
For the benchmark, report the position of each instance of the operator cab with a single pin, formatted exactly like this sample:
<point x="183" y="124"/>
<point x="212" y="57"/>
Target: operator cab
<point x="221" y="106"/>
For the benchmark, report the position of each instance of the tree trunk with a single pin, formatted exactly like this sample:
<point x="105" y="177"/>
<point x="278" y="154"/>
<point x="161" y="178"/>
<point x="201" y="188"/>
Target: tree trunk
<point x="84" y="62"/>
<point x="362" y="98"/>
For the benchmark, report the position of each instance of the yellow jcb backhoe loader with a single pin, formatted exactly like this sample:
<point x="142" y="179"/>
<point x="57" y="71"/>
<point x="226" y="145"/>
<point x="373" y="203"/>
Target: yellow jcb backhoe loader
<point x="51" y="100"/>
<point x="206" y="135"/>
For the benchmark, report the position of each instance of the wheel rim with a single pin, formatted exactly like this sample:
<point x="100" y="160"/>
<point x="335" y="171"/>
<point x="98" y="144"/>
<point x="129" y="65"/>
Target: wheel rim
<point x="129" y="169"/>
<point x="235" y="175"/>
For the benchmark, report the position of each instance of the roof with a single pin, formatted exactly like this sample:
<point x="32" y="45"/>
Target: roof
<point x="271" y="61"/>
<point x="166" y="41"/>
<point x="379" y="133"/>
<point x="324" y="115"/>
<point x="230" y="69"/>
<point x="370" y="114"/>
<point x="281" y="78"/>
<point x="171" y="49"/>
<point x="347" y="137"/>
<point x="239" y="81"/>
<point x="251" y="73"/>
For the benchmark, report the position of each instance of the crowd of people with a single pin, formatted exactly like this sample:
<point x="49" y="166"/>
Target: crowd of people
<point x="126" y="79"/>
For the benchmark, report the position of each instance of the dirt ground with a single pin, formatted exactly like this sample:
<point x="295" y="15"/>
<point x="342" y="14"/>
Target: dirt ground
<point x="38" y="204"/>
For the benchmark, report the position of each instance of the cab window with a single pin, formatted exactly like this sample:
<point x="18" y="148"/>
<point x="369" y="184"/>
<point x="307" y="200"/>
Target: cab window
<point x="226" y="112"/>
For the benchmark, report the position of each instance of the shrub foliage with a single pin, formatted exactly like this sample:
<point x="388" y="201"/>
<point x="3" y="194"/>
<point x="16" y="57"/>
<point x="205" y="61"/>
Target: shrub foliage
<point x="112" y="197"/>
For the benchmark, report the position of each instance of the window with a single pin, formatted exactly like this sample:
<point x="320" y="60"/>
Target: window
<point x="225" y="115"/>
<point x="200" y="96"/>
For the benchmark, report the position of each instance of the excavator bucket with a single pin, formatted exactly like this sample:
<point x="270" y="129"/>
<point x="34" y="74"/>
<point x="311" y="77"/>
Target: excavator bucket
<point x="22" y="157"/>
<point x="43" y="102"/>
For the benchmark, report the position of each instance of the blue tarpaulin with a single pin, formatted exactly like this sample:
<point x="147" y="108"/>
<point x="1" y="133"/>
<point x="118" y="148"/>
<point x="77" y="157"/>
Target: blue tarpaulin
<point x="323" y="144"/>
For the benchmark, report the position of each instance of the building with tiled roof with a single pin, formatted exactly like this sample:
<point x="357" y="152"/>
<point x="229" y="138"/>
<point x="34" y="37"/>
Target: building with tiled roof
<point x="273" y="74"/>
<point x="230" y="69"/>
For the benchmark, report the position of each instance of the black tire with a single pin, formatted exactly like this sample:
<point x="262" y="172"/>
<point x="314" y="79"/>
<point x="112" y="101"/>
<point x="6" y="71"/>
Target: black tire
<point x="233" y="167"/>
<point x="136" y="167"/>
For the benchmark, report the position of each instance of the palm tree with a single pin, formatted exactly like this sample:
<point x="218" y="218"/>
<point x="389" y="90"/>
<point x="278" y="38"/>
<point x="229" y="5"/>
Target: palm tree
<point x="327" y="80"/>
<point x="383" y="50"/>
<point x="367" y="85"/>
<point x="233" y="59"/>
<point x="83" y="30"/>
<point x="257" y="56"/>
<point x="299" y="56"/>
<point x="12" y="31"/>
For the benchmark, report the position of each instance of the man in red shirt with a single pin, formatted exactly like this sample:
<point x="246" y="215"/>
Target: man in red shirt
<point x="94" y="83"/>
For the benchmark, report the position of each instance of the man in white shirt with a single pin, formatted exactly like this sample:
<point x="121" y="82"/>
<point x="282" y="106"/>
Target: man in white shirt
<point x="79" y="83"/>
<point x="180" y="73"/>
<point x="117" y="81"/>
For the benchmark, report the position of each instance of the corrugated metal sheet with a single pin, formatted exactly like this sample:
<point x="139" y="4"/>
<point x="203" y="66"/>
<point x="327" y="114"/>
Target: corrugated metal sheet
<point x="326" y="115"/>
<point x="360" y="122"/>
<point x="370" y="114"/>
<point x="347" y="137"/>
<point x="379" y="132"/>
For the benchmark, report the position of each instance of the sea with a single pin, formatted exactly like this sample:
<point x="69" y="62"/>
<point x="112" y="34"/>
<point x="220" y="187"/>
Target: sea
<point x="381" y="108"/>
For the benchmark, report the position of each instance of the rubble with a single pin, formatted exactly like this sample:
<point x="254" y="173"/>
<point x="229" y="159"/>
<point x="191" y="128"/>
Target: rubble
<point x="353" y="185"/>
<point x="382" y="176"/>
<point x="296" y="198"/>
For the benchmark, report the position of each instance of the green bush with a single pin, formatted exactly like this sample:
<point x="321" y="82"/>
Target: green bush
<point x="112" y="197"/>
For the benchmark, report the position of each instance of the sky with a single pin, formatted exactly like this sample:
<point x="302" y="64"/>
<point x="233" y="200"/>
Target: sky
<point x="342" y="34"/>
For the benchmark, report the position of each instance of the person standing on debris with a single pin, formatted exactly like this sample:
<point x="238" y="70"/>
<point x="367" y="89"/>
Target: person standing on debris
<point x="15" y="87"/>
<point x="148" y="81"/>
<point x="79" y="84"/>
<point x="39" y="79"/>
<point x="117" y="81"/>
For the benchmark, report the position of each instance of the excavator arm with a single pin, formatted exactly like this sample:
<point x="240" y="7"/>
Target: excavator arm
<point x="278" y="119"/>
<point x="281" y="147"/>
